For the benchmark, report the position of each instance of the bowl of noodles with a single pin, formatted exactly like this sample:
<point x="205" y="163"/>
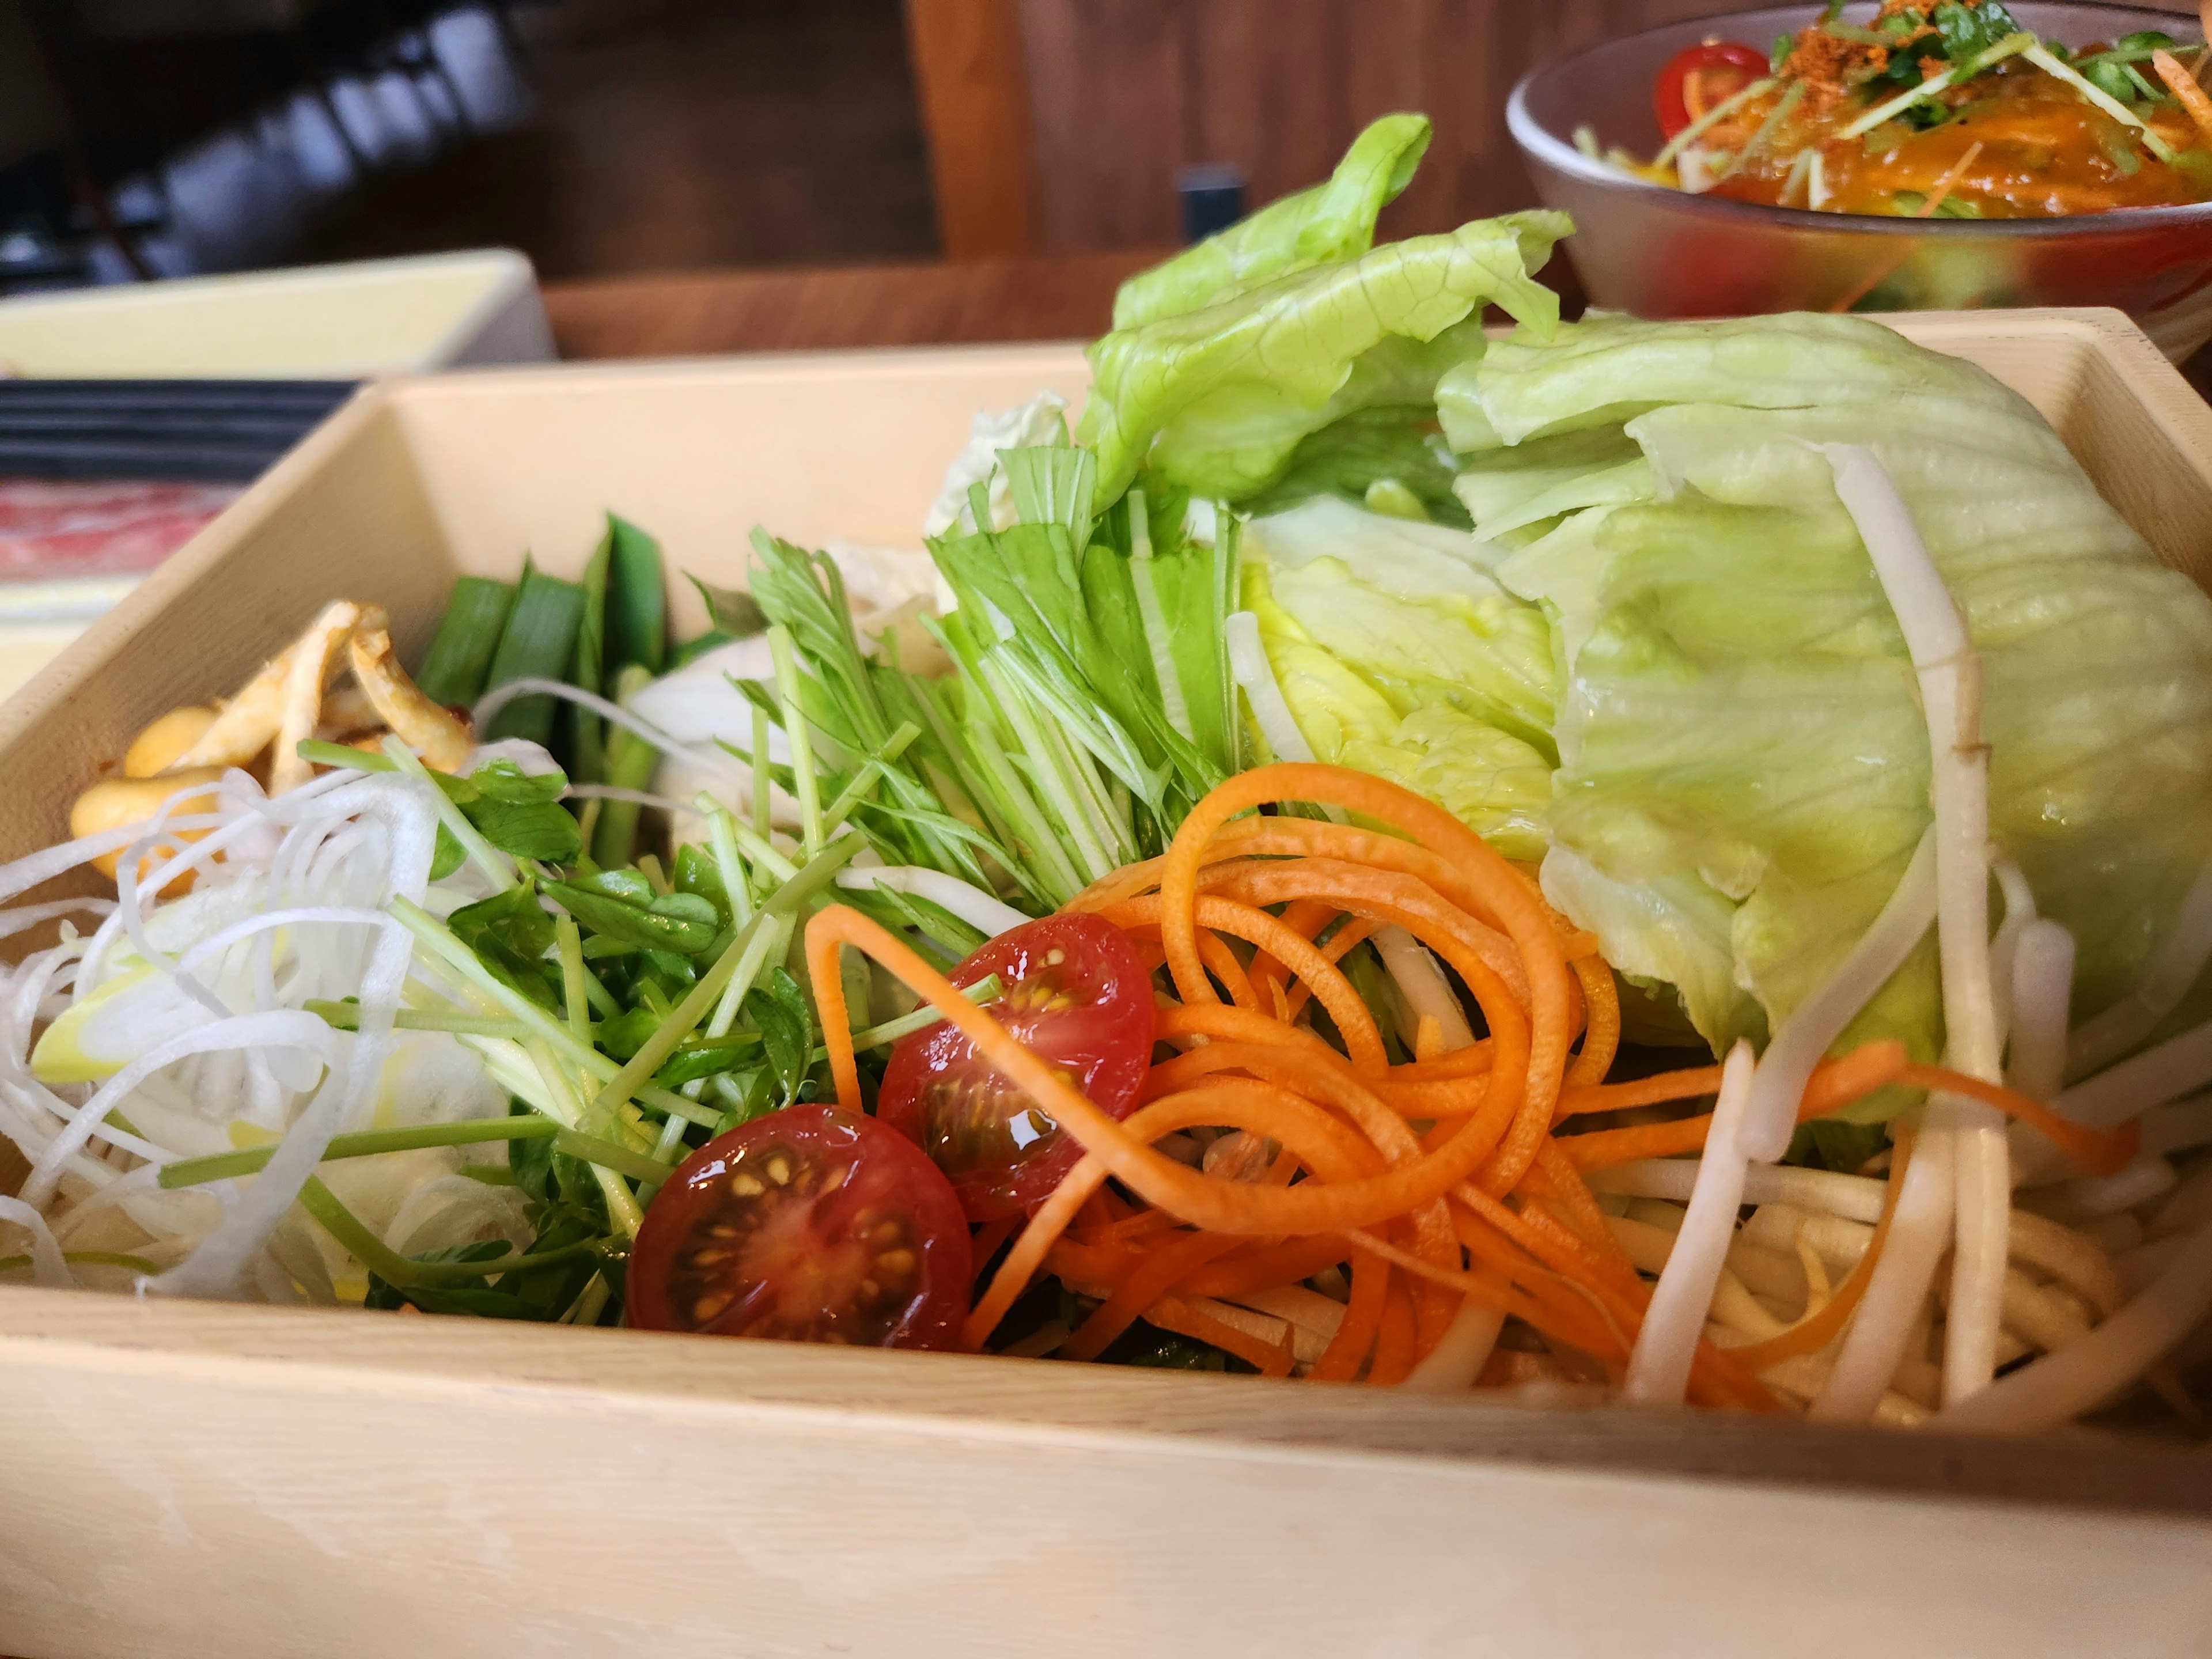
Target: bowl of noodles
<point x="1904" y="156"/>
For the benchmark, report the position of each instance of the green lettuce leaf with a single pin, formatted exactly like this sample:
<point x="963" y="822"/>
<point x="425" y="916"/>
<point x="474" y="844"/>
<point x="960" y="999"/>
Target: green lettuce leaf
<point x="1219" y="399"/>
<point x="1361" y="455"/>
<point x="1744" y="763"/>
<point x="1334" y="220"/>
<point x="1399" y="653"/>
<point x="1418" y="618"/>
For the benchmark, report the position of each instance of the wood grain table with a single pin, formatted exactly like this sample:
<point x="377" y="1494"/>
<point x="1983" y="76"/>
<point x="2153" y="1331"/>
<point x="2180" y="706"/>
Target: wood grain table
<point x="700" y="314"/>
<point x="704" y="314"/>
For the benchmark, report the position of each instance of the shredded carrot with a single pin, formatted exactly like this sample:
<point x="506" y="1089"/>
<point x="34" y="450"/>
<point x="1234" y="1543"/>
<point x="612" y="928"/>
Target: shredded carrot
<point x="1562" y="1182"/>
<point x="1396" y="1344"/>
<point x="1266" y="1269"/>
<point x="1158" y="1271"/>
<point x="1502" y="892"/>
<point x="2183" y="85"/>
<point x="1434" y="1180"/>
<point x="1173" y="1314"/>
<point x="1603" y="1148"/>
<point x="1816" y="1331"/>
<point x="1221" y="962"/>
<point x="1363" y="1317"/>
<point x="1256" y="927"/>
<point x="1602" y="1025"/>
<point x="1270" y="976"/>
<point x="2101" y="1152"/>
<point x="1379" y="895"/>
<point x="1644" y="1091"/>
<point x="1833" y="1083"/>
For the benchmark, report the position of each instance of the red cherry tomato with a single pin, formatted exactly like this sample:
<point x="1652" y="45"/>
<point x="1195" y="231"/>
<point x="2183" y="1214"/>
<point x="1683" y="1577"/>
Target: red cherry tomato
<point x="1723" y="68"/>
<point x="810" y="1224"/>
<point x="1079" y="998"/>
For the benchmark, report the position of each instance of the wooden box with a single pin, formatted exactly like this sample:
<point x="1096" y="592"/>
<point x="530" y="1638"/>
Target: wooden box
<point x="243" y="1481"/>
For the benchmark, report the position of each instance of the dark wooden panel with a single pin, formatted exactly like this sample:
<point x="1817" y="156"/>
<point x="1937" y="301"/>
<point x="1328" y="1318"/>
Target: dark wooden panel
<point x="970" y="77"/>
<point x="1123" y="92"/>
<point x="1107" y="85"/>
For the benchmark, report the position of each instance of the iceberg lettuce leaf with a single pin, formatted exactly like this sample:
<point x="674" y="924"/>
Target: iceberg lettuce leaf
<point x="1738" y="726"/>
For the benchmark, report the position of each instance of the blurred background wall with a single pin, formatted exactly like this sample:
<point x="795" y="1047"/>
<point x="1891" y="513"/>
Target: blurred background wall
<point x="606" y="137"/>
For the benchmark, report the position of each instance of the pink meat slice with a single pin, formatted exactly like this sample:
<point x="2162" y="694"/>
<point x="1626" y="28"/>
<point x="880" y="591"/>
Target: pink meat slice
<point x="51" y="530"/>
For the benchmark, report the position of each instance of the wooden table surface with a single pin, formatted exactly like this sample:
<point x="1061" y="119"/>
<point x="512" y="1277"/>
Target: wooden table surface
<point x="702" y="313"/>
<point x="696" y="313"/>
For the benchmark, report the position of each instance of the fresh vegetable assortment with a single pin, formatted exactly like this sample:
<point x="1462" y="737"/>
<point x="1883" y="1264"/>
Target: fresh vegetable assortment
<point x="1934" y="109"/>
<point x="1229" y="903"/>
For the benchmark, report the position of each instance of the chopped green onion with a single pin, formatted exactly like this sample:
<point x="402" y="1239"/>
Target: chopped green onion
<point x="587" y="749"/>
<point x="468" y="635"/>
<point x="538" y="642"/>
<point x="637" y="599"/>
<point x="1149" y="614"/>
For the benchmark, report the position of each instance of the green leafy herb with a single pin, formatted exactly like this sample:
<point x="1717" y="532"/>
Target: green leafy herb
<point x="735" y="613"/>
<point x="697" y="872"/>
<point x="780" y="1011"/>
<point x="447" y="856"/>
<point x="521" y="814"/>
<point x="1968" y="29"/>
<point x="682" y="923"/>
<point x="510" y="935"/>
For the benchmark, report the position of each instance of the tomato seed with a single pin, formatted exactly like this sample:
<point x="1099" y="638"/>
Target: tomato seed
<point x="779" y="1170"/>
<point x="745" y="1186"/>
<point x="898" y="1262"/>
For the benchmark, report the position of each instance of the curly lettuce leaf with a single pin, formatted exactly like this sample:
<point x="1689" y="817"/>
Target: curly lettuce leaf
<point x="1334" y="220"/>
<point x="1219" y="399"/>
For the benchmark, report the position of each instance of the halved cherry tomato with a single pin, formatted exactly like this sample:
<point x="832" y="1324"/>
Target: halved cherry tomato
<point x="1723" y="68"/>
<point x="810" y="1224"/>
<point x="1078" y="996"/>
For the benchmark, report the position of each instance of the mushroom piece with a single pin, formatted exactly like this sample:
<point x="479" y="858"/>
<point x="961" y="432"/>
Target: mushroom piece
<point x="428" y="729"/>
<point x="315" y="660"/>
